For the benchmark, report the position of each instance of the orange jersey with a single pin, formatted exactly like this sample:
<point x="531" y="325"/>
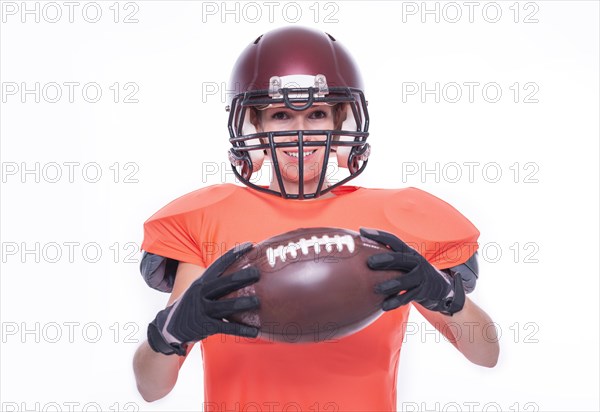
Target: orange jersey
<point x="355" y="373"/>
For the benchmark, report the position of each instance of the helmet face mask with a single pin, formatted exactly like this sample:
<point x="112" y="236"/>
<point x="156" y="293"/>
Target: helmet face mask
<point x="296" y="90"/>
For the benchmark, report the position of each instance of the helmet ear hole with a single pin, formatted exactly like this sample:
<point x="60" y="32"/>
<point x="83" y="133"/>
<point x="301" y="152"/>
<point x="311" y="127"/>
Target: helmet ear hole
<point x="358" y="155"/>
<point x="354" y="165"/>
<point x="246" y="172"/>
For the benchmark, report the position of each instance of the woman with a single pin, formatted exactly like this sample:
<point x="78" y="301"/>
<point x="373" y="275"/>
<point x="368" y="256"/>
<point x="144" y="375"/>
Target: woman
<point x="301" y="107"/>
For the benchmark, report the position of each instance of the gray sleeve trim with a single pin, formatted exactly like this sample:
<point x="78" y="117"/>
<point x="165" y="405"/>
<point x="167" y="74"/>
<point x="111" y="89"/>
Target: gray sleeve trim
<point x="469" y="271"/>
<point x="158" y="272"/>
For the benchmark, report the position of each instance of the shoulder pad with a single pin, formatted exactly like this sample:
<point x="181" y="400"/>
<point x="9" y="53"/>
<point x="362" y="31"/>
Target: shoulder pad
<point x="171" y="231"/>
<point x="196" y="200"/>
<point x="158" y="272"/>
<point x="418" y="212"/>
<point x="432" y="222"/>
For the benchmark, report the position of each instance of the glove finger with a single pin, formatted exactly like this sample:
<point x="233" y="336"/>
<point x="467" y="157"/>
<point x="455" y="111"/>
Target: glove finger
<point x="220" y="309"/>
<point x="395" y="260"/>
<point x="222" y="263"/>
<point x="224" y="285"/>
<point x="238" y="329"/>
<point x="395" y="286"/>
<point x="388" y="239"/>
<point x="399" y="300"/>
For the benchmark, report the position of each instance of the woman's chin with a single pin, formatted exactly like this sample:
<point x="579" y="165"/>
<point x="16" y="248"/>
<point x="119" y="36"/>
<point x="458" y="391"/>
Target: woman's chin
<point x="292" y="185"/>
<point x="311" y="176"/>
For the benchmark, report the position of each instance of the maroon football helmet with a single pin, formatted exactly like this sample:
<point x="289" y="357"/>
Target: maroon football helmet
<point x="296" y="67"/>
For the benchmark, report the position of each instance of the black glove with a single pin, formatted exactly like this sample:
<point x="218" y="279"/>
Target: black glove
<point x="433" y="289"/>
<point x="198" y="313"/>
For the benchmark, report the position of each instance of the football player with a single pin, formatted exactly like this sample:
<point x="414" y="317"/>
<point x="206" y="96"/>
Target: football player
<point x="301" y="107"/>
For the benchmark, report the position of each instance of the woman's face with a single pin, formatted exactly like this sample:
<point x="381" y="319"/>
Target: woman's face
<point x="314" y="118"/>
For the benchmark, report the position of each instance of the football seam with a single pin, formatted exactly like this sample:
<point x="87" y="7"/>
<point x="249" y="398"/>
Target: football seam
<point x="304" y="245"/>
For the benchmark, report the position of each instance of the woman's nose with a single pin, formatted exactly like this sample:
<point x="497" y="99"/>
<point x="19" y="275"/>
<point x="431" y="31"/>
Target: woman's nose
<point x="299" y="123"/>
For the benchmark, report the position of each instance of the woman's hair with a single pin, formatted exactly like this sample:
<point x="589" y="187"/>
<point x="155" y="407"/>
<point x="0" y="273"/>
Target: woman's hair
<point x="339" y="115"/>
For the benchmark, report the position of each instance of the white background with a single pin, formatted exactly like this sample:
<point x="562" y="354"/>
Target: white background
<point x="542" y="290"/>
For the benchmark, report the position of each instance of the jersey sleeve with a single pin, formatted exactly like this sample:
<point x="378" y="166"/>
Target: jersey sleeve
<point x="171" y="235"/>
<point x="169" y="238"/>
<point x="181" y="230"/>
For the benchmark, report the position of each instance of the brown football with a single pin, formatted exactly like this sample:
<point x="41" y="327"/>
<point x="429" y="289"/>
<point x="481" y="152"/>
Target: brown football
<point x="315" y="285"/>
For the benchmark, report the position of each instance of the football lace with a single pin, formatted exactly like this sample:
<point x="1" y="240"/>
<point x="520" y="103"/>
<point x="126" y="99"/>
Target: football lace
<point x="304" y="245"/>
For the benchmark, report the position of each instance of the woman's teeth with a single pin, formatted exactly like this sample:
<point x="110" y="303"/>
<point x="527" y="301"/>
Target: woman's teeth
<point x="295" y="154"/>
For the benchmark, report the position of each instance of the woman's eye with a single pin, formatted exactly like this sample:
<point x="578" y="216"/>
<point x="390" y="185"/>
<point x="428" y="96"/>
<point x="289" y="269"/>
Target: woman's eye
<point x="279" y="116"/>
<point x="318" y="114"/>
